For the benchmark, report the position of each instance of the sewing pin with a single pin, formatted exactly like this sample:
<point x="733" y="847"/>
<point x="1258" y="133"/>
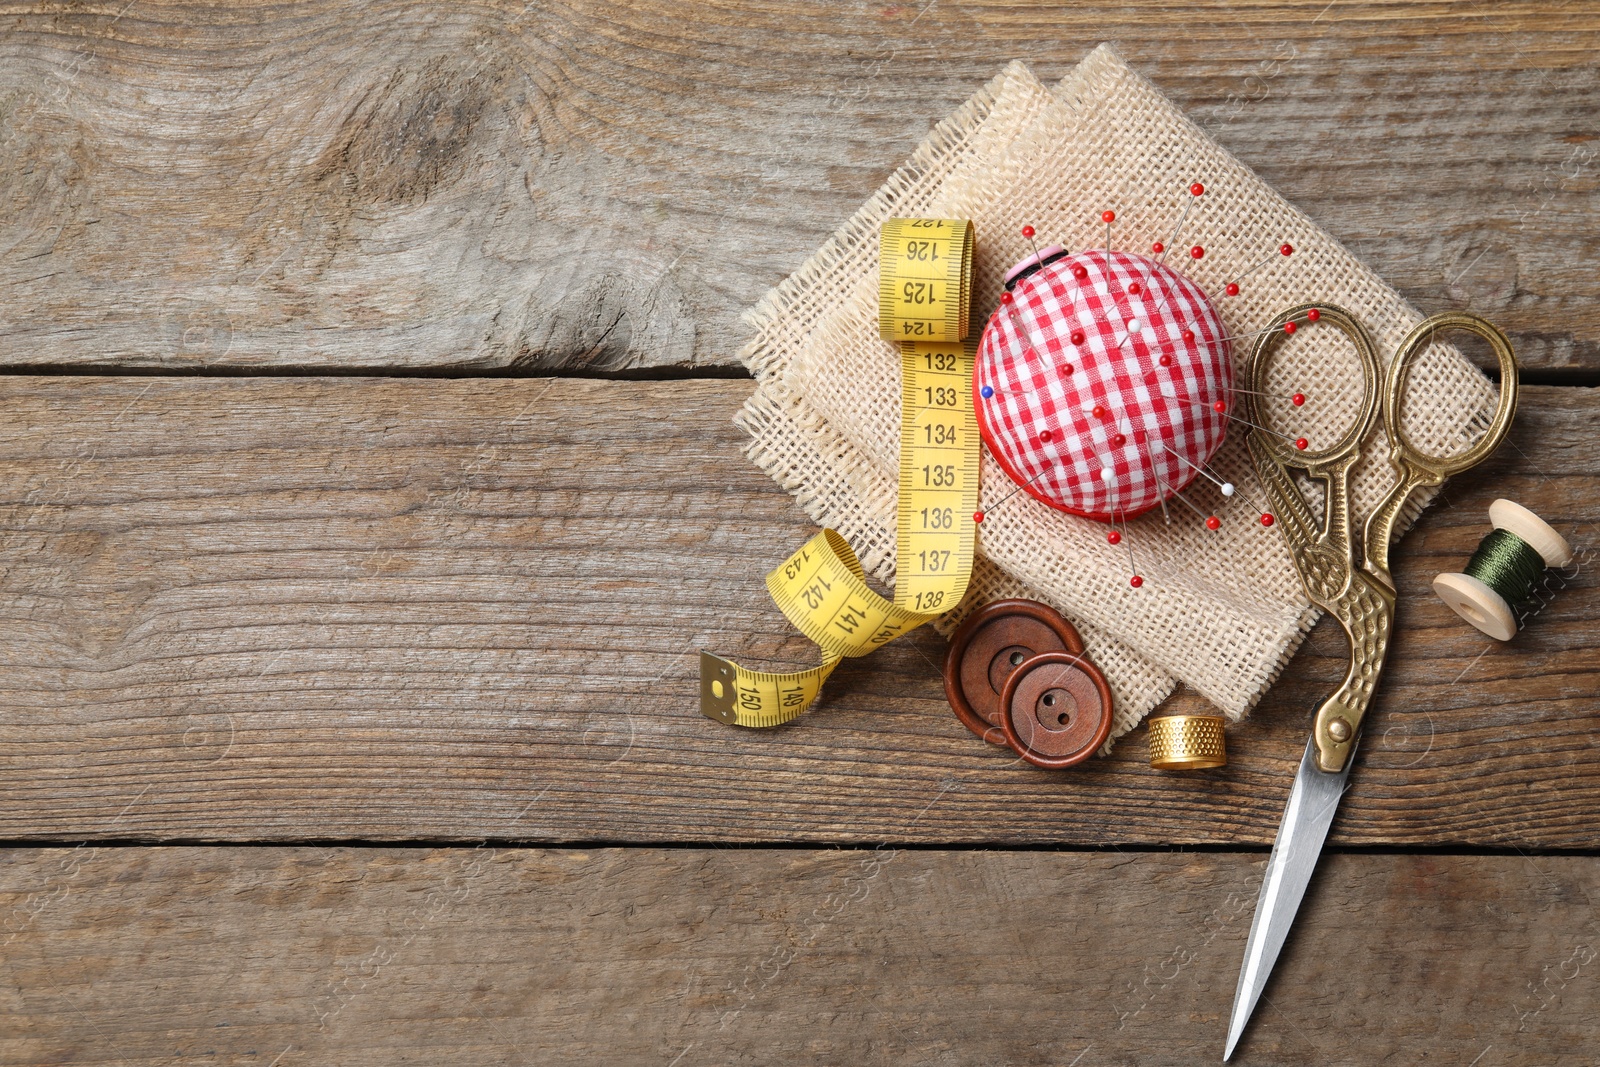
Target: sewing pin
<point x="1232" y="288"/>
<point x="1289" y="327"/>
<point x="1267" y="518"/>
<point x="1297" y="399"/>
<point x="1009" y="302"/>
<point x="1165" y="517"/>
<point x="1221" y="408"/>
<point x="1028" y="232"/>
<point x="1226" y="488"/>
<point x="980" y="515"/>
<point x="1212" y="522"/>
<point x="1115" y="537"/>
<point x="1195" y="192"/>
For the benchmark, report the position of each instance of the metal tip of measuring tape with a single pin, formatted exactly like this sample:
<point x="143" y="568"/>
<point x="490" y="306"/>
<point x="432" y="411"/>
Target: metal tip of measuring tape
<point x="717" y="692"/>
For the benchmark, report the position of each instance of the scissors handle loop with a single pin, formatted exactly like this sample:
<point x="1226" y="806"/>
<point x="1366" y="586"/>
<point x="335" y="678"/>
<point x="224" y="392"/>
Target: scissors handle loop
<point x="1416" y="467"/>
<point x="1361" y="598"/>
<point x="1348" y="447"/>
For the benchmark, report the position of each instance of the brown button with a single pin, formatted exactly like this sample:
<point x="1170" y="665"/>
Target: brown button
<point x="1058" y="709"/>
<point x="991" y="644"/>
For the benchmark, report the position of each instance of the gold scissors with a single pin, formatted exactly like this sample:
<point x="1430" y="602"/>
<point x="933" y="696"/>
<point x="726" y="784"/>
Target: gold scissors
<point x="1361" y="598"/>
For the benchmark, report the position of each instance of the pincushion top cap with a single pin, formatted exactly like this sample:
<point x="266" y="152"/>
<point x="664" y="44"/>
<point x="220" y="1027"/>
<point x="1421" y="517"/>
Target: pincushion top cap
<point x="1044" y="255"/>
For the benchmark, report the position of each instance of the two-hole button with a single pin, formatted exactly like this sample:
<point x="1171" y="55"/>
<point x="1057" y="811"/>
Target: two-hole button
<point x="1050" y="719"/>
<point x="1057" y="709"/>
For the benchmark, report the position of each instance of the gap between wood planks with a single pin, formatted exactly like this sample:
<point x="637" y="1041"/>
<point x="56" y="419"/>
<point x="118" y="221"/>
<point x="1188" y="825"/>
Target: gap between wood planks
<point x="1147" y="848"/>
<point x="1575" y="377"/>
<point x="636" y="374"/>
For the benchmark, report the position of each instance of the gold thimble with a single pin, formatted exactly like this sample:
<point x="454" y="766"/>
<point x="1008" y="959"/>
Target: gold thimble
<point x="1187" y="743"/>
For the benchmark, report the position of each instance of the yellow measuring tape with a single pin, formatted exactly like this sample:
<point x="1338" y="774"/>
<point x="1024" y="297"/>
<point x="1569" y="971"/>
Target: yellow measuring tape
<point x="924" y="299"/>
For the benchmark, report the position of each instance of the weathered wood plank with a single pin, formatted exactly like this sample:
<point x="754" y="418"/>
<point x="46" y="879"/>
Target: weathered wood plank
<point x="700" y="956"/>
<point x="606" y="186"/>
<point x="295" y="609"/>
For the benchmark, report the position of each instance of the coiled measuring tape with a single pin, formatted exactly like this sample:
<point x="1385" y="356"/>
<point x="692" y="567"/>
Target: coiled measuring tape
<point x="924" y="300"/>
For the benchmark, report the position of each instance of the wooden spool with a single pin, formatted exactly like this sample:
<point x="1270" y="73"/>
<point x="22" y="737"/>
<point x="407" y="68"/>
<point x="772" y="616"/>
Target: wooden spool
<point x="1480" y="604"/>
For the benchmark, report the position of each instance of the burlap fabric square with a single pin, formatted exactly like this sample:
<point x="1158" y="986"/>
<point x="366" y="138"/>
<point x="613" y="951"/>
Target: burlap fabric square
<point x="1221" y="611"/>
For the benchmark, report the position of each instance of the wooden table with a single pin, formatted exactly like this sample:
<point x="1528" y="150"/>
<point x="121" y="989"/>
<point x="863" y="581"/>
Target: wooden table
<point x="368" y="486"/>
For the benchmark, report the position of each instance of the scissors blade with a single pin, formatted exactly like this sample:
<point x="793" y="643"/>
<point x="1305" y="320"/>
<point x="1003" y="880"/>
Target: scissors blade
<point x="1312" y="804"/>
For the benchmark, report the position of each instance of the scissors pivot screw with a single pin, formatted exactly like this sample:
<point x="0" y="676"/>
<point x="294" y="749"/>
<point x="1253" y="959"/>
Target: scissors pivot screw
<point x="1339" y="730"/>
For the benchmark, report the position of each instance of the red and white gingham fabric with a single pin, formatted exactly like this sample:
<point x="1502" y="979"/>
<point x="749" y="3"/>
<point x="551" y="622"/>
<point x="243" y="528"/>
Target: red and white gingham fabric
<point x="1039" y="422"/>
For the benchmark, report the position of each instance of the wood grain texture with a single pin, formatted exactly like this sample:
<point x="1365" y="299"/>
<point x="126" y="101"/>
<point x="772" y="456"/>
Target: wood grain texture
<point x="340" y="185"/>
<point x="690" y="957"/>
<point x="301" y="609"/>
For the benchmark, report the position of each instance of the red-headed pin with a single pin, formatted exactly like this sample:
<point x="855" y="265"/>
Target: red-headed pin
<point x="1116" y="538"/>
<point x="1009" y="302"/>
<point x="979" y="516"/>
<point x="1221" y="408"/>
<point x="1289" y="327"/>
<point x="1196" y="190"/>
<point x="1232" y="288"/>
<point x="1027" y="233"/>
<point x="1297" y="399"/>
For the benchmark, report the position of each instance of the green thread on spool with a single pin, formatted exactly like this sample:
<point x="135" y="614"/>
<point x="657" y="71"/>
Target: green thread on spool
<point x="1507" y="564"/>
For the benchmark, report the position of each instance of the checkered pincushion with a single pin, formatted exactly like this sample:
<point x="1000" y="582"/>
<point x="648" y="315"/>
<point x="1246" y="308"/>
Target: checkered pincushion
<point x="1100" y="369"/>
